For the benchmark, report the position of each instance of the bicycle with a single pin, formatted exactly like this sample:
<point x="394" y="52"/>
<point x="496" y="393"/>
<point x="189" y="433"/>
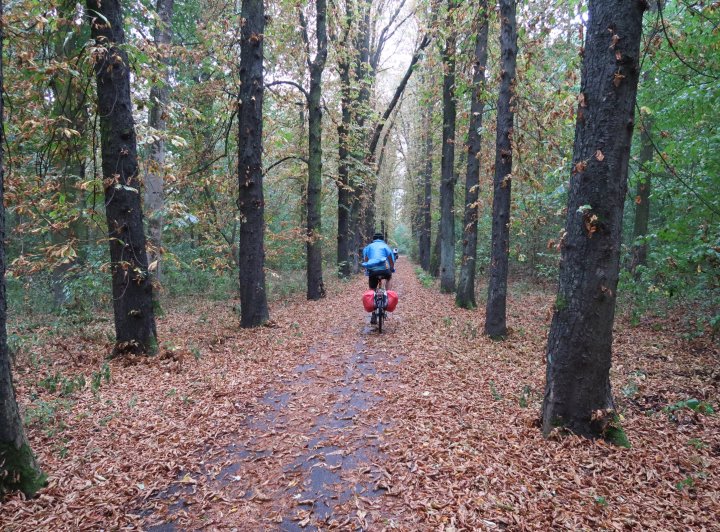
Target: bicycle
<point x="380" y="304"/>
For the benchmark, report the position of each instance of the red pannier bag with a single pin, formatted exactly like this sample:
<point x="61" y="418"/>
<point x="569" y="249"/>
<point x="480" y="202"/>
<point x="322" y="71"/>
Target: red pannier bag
<point x="369" y="300"/>
<point x="392" y="300"/>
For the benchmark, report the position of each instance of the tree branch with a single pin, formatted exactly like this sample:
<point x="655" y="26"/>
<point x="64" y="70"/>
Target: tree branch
<point x="672" y="170"/>
<point x="292" y="84"/>
<point x="675" y="52"/>
<point x="304" y="34"/>
<point x="288" y="158"/>
<point x="384" y="36"/>
<point x="398" y="93"/>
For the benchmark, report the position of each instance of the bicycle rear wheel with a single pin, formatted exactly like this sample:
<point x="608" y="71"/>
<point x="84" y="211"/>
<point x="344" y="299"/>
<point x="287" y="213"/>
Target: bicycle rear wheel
<point x="381" y="318"/>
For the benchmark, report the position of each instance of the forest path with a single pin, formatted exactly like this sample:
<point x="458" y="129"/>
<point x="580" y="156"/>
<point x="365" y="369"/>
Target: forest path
<point x="317" y="422"/>
<point x="312" y="442"/>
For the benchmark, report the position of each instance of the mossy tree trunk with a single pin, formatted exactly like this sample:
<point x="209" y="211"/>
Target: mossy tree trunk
<point x="315" y="284"/>
<point x="18" y="468"/>
<point x="70" y="107"/>
<point x="132" y="288"/>
<point x="424" y="242"/>
<point x="345" y="191"/>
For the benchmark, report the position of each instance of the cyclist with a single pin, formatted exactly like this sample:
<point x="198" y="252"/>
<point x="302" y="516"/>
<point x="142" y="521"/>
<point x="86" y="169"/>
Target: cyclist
<point x="379" y="262"/>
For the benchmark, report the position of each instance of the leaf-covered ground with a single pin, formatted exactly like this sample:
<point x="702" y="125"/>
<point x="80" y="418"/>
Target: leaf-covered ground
<point x="318" y="422"/>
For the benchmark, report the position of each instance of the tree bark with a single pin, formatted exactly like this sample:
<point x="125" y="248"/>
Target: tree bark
<point x="345" y="191"/>
<point x="577" y="391"/>
<point x="435" y="256"/>
<point x="447" y="165"/>
<point x="315" y="285"/>
<point x="18" y="467"/>
<point x="253" y="297"/>
<point x="364" y="228"/>
<point x="642" y="198"/>
<point x="159" y="97"/>
<point x="466" y="285"/>
<point x="495" y="321"/>
<point x="131" y="286"/>
<point x="424" y="243"/>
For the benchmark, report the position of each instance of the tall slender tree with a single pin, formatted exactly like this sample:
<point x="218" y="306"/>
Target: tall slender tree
<point x="315" y="285"/>
<point x="131" y="286"/>
<point x="465" y="296"/>
<point x="361" y="113"/>
<point x="345" y="191"/>
<point x="18" y="468"/>
<point x="447" y="165"/>
<point x="253" y="298"/>
<point x="495" y="320"/>
<point x="424" y="243"/>
<point x="159" y="97"/>
<point x="577" y="390"/>
<point x="642" y="195"/>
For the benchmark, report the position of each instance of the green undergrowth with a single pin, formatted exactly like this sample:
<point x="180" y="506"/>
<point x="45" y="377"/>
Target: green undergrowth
<point x="696" y="405"/>
<point x="615" y="434"/>
<point x="655" y="299"/>
<point x="427" y="280"/>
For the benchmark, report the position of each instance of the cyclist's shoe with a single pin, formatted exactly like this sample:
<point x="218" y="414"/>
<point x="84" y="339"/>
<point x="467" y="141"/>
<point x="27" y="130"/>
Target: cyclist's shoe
<point x="373" y="319"/>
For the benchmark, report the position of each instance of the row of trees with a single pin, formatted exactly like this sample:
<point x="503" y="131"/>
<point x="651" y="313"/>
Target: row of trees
<point x="133" y="286"/>
<point x="352" y="147"/>
<point x="578" y="394"/>
<point x="579" y="345"/>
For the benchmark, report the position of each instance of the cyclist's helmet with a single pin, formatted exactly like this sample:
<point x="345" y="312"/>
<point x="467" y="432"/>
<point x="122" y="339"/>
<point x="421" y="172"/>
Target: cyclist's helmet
<point x="378" y="236"/>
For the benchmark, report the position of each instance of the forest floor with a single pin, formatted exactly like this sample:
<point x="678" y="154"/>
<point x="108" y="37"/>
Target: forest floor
<point x="318" y="422"/>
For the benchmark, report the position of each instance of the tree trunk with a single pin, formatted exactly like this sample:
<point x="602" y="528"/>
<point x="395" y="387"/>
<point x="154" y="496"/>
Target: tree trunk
<point x="364" y="228"/>
<point x="159" y="96"/>
<point x="495" y="321"/>
<point x="131" y="286"/>
<point x="642" y="198"/>
<point x="416" y="224"/>
<point x="466" y="285"/>
<point x="577" y="390"/>
<point x="253" y="297"/>
<point x="357" y="242"/>
<point x="18" y="468"/>
<point x="315" y="285"/>
<point x="344" y="189"/>
<point x="424" y="243"/>
<point x="447" y="167"/>
<point x="435" y="256"/>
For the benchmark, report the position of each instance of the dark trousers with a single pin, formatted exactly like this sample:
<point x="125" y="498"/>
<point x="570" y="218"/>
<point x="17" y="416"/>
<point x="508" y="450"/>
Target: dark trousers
<point x="375" y="277"/>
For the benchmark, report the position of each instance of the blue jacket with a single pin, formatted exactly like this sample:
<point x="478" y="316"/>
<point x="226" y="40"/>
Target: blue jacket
<point x="377" y="254"/>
